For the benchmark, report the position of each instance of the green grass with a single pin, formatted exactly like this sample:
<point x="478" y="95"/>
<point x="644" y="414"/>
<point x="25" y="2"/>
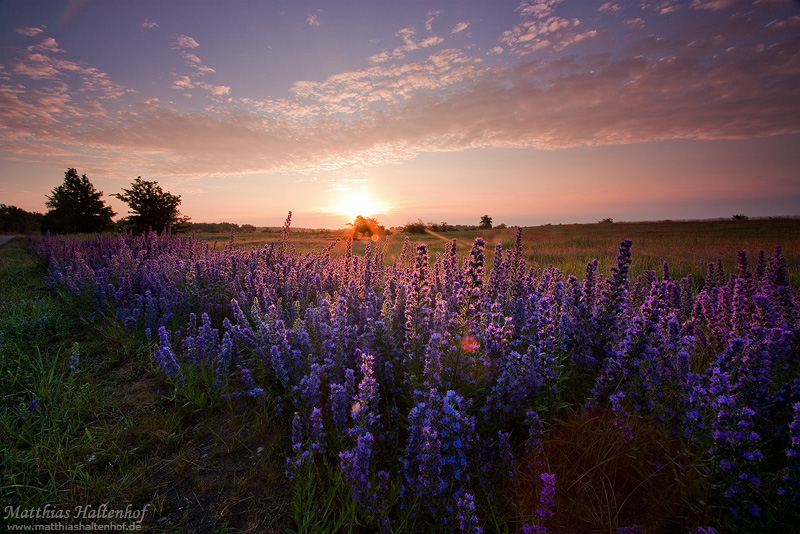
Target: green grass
<point x="115" y="432"/>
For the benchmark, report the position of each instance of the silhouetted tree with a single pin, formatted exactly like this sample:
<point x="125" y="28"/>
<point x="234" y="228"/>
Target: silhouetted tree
<point x="366" y="227"/>
<point x="16" y="220"/>
<point x="151" y="207"/>
<point x="486" y="223"/>
<point x="213" y="228"/>
<point x="415" y="227"/>
<point x="76" y="207"/>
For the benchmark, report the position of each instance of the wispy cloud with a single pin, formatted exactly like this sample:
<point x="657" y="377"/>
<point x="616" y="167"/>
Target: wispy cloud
<point x="432" y="15"/>
<point x="28" y="31"/>
<point x="537" y="8"/>
<point x="410" y="44"/>
<point x="184" y="41"/>
<point x="312" y="19"/>
<point x="609" y="6"/>
<point x="148" y="24"/>
<point x="665" y="7"/>
<point x="460" y="27"/>
<point x="352" y="92"/>
<point x="186" y="82"/>
<point x="540" y="29"/>
<point x="42" y="61"/>
<point x="638" y="23"/>
<point x="714" y="5"/>
<point x="194" y="61"/>
<point x="701" y="85"/>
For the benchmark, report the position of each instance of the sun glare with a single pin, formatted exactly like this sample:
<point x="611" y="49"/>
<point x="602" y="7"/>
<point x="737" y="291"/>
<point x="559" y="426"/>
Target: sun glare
<point x="353" y="203"/>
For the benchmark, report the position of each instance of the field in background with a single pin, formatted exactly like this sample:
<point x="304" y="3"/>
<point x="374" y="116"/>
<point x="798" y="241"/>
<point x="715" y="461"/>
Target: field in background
<point x="688" y="246"/>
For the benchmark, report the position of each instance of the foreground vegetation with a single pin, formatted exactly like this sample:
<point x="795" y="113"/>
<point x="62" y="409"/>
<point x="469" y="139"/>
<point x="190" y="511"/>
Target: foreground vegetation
<point x="403" y="389"/>
<point x="86" y="419"/>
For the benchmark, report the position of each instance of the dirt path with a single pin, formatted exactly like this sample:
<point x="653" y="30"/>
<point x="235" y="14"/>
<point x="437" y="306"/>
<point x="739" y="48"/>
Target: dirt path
<point x="5" y="238"/>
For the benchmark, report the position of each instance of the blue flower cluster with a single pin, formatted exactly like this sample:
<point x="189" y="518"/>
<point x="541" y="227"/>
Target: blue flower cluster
<point x="417" y="377"/>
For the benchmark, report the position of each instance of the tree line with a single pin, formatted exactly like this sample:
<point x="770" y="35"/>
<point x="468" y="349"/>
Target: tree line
<point x="76" y="206"/>
<point x="420" y="227"/>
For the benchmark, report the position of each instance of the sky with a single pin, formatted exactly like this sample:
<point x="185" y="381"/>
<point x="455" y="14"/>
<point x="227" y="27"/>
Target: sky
<point x="533" y="112"/>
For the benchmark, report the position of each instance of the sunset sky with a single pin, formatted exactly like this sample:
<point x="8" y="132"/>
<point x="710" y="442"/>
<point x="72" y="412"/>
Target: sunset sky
<point x="534" y="112"/>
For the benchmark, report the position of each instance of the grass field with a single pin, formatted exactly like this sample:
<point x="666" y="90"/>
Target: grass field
<point x="87" y="418"/>
<point x="687" y="246"/>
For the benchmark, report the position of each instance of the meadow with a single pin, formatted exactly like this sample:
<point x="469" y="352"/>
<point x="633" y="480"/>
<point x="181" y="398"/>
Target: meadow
<point x="688" y="246"/>
<point x="502" y="382"/>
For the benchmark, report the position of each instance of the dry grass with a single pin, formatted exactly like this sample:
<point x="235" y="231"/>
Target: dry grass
<point x="687" y="246"/>
<point x="605" y="481"/>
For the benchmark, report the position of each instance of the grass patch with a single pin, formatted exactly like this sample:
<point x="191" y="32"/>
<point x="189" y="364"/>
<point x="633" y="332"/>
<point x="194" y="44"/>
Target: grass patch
<point x="87" y="419"/>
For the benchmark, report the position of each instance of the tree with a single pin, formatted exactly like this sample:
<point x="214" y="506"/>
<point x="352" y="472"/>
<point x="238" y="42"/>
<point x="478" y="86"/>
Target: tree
<point x="415" y="227"/>
<point x="486" y="223"/>
<point x="150" y="207"/>
<point x="18" y="221"/>
<point x="76" y="207"/>
<point x="366" y="227"/>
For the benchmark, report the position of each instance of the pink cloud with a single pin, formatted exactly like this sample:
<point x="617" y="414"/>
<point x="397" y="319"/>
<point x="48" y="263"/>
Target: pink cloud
<point x="312" y="20"/>
<point x="28" y="31"/>
<point x="460" y="27"/>
<point x="184" y="41"/>
<point x="41" y="63"/>
<point x="554" y="33"/>
<point x="609" y="6"/>
<point x="700" y="86"/>
<point x="779" y="25"/>
<point x="432" y="15"/>
<point x="714" y="5"/>
<point x="638" y="23"/>
<point x="218" y="90"/>
<point x="537" y="8"/>
<point x="410" y="44"/>
<point x="47" y="45"/>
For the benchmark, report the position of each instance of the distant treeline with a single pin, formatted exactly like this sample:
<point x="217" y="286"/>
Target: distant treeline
<point x="220" y="227"/>
<point x="14" y="220"/>
<point x="421" y="227"/>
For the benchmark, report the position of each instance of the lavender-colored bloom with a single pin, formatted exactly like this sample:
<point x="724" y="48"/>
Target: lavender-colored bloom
<point x="165" y="358"/>
<point x="355" y="464"/>
<point x="547" y="491"/>
<point x="440" y="438"/>
<point x="33" y="405"/>
<point x="74" y="361"/>
<point x="466" y="518"/>
<point x="316" y="432"/>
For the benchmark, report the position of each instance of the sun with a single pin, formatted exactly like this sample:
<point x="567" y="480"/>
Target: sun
<point x="352" y="203"/>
